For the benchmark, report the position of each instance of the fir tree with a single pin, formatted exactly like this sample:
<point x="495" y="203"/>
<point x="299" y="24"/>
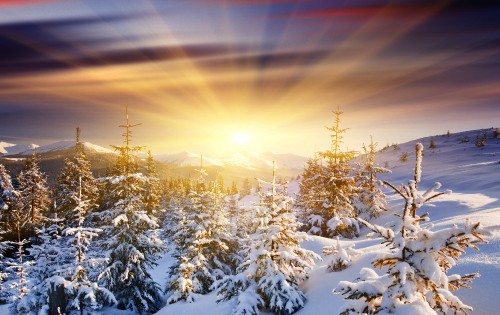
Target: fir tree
<point x="203" y="244"/>
<point x="370" y="199"/>
<point x="416" y="279"/>
<point x="34" y="196"/>
<point x="82" y="293"/>
<point x="67" y="189"/>
<point x="341" y="255"/>
<point x="328" y="197"/>
<point x="48" y="256"/>
<point x="129" y="235"/>
<point x="274" y="263"/>
<point x="152" y="195"/>
<point x="7" y="197"/>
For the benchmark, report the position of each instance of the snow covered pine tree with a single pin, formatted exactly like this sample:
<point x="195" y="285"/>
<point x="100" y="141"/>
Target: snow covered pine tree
<point x="416" y="281"/>
<point x="203" y="242"/>
<point x="274" y="263"/>
<point x="129" y="235"/>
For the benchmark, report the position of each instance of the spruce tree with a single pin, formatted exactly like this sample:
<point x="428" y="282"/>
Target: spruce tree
<point x="34" y="195"/>
<point x="129" y="235"/>
<point x="152" y="195"/>
<point x="67" y="189"/>
<point x="7" y="200"/>
<point x="328" y="189"/>
<point x="370" y="200"/>
<point x="274" y="264"/>
<point x="416" y="279"/>
<point x="203" y="243"/>
<point x="82" y="293"/>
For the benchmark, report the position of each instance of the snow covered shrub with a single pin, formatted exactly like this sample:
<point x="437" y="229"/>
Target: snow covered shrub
<point x="274" y="263"/>
<point x="403" y="158"/>
<point x="416" y="280"/>
<point x="341" y="256"/>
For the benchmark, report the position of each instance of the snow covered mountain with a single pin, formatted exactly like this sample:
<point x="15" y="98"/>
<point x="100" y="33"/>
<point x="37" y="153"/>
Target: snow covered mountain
<point x="7" y="148"/>
<point x="243" y="159"/>
<point x="16" y="149"/>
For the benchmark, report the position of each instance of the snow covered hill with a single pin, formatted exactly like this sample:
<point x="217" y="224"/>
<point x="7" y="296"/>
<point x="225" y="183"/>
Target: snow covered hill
<point x="7" y="148"/>
<point x="15" y="149"/>
<point x="473" y="173"/>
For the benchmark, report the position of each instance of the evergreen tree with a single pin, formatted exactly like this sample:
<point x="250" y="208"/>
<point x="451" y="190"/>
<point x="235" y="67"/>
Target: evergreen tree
<point x="328" y="189"/>
<point x="48" y="256"/>
<point x="34" y="196"/>
<point x="311" y="197"/>
<point x="416" y="279"/>
<point x="67" y="189"/>
<point x="246" y="189"/>
<point x="274" y="263"/>
<point x="82" y="293"/>
<point x="370" y="199"/>
<point x="203" y="244"/>
<point x="341" y="256"/>
<point x="129" y="235"/>
<point x="7" y="196"/>
<point x="152" y="195"/>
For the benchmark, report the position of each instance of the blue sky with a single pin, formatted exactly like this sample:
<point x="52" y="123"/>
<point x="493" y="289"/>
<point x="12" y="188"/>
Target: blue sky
<point x="195" y="73"/>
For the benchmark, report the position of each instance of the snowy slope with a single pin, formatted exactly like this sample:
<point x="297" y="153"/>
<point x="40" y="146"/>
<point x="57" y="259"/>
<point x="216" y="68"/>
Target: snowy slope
<point x="14" y="149"/>
<point x="474" y="176"/>
<point x="7" y="148"/>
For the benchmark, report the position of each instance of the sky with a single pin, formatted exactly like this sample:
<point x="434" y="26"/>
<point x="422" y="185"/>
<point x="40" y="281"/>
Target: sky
<point x="211" y="76"/>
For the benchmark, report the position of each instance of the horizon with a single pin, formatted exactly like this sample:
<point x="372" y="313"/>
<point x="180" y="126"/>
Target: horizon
<point x="216" y="76"/>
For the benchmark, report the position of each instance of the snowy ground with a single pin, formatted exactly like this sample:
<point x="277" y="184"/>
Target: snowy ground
<point x="473" y="175"/>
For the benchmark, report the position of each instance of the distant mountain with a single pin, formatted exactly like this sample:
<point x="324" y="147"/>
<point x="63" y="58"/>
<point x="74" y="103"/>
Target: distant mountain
<point x="7" y="148"/>
<point x="241" y="159"/>
<point x="187" y="159"/>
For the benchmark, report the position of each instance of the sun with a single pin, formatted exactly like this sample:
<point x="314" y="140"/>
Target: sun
<point x="241" y="138"/>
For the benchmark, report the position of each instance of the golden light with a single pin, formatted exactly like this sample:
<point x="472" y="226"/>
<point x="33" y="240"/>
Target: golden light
<point x="241" y="138"/>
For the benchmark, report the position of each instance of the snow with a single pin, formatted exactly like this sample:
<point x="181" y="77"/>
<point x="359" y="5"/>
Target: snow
<point x="471" y="172"/>
<point x="19" y="149"/>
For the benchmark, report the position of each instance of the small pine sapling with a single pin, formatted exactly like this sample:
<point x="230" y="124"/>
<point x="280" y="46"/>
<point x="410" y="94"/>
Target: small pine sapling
<point x="341" y="255"/>
<point x="416" y="280"/>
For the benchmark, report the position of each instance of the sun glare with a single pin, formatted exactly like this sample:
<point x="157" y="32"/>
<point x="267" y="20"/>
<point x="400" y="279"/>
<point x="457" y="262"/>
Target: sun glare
<point x="241" y="138"/>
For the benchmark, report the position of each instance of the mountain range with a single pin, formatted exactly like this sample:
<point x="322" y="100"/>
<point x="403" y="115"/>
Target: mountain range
<point x="233" y="166"/>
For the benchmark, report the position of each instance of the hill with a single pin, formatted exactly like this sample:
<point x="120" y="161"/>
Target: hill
<point x="473" y="174"/>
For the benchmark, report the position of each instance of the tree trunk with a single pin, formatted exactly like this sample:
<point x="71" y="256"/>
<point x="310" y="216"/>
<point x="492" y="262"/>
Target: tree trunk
<point x="57" y="299"/>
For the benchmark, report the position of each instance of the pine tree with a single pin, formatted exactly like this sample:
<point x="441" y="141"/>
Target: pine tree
<point x="152" y="195"/>
<point x="328" y="197"/>
<point x="341" y="256"/>
<point x="7" y="199"/>
<point x="67" y="189"/>
<point x="370" y="199"/>
<point x="274" y="263"/>
<point x="203" y="244"/>
<point x="246" y="189"/>
<point x="20" y="269"/>
<point x="311" y="197"/>
<point x="48" y="256"/>
<point x="34" y="196"/>
<point x="416" y="279"/>
<point x="82" y="293"/>
<point x="129" y="235"/>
